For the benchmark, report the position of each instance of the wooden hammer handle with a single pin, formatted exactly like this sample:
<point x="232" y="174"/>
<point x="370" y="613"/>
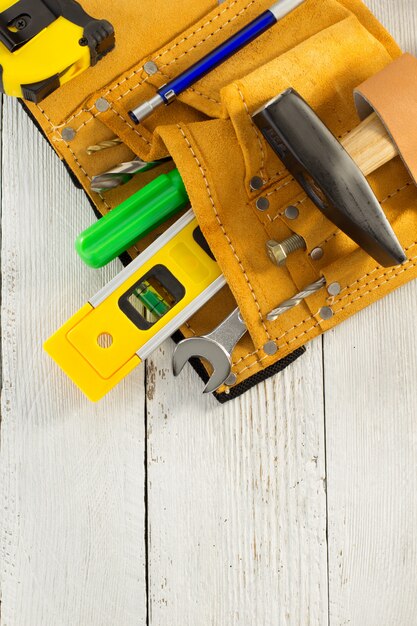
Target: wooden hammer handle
<point x="369" y="145"/>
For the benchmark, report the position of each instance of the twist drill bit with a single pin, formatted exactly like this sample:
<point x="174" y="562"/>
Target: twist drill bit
<point x="121" y="174"/>
<point x="296" y="300"/>
<point x="104" y="145"/>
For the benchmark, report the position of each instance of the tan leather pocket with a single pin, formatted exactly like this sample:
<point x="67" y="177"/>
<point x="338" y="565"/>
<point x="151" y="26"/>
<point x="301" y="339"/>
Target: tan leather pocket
<point x="73" y="120"/>
<point x="205" y="100"/>
<point x="218" y="158"/>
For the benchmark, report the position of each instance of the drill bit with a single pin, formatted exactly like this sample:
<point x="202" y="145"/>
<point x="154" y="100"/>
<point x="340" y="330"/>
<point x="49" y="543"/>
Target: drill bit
<point x="121" y="174"/>
<point x="104" y="145"/>
<point x="296" y="300"/>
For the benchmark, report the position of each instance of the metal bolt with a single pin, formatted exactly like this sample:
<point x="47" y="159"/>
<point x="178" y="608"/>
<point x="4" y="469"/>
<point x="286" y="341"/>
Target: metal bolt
<point x="291" y="212"/>
<point x="68" y="133"/>
<point x="270" y="348"/>
<point x="102" y="105"/>
<point x="83" y="42"/>
<point x="278" y="252"/>
<point x="150" y="68"/>
<point x="317" y="254"/>
<point x="256" y="183"/>
<point x="326" y="313"/>
<point x="262" y="204"/>
<point x="334" y="289"/>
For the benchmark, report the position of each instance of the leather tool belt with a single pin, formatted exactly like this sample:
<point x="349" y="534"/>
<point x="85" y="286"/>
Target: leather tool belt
<point x="326" y="51"/>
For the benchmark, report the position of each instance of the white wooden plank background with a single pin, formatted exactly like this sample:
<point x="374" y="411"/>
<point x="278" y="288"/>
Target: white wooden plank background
<point x="294" y="505"/>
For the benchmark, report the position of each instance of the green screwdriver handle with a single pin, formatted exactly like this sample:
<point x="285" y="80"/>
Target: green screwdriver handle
<point x="133" y="219"/>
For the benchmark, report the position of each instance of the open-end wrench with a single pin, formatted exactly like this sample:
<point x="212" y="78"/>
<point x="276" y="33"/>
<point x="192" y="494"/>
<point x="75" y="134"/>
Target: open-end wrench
<point x="216" y="348"/>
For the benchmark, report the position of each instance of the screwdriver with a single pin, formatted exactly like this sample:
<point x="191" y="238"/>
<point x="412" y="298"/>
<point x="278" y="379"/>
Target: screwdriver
<point x="169" y="92"/>
<point x="137" y="216"/>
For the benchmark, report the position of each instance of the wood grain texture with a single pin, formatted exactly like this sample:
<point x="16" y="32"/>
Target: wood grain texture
<point x="371" y="430"/>
<point x="236" y="500"/>
<point x="72" y="507"/>
<point x="220" y="515"/>
<point x="371" y="438"/>
<point x="369" y="145"/>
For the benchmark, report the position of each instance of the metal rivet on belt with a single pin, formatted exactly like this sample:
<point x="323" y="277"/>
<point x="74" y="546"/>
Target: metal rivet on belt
<point x="262" y="204"/>
<point x="68" y="134"/>
<point x="334" y="289"/>
<point x="150" y="68"/>
<point x="102" y="105"/>
<point x="256" y="183"/>
<point x="326" y="313"/>
<point x="317" y="254"/>
<point x="291" y="212"/>
<point x="270" y="348"/>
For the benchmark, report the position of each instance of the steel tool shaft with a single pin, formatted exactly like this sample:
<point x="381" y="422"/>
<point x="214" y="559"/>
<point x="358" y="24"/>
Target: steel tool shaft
<point x="120" y="175"/>
<point x="296" y="300"/>
<point x="169" y="92"/>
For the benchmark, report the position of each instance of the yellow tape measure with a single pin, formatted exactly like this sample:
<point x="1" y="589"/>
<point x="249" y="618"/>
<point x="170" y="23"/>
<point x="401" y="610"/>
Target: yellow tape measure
<point x="110" y="335"/>
<point x="46" y="43"/>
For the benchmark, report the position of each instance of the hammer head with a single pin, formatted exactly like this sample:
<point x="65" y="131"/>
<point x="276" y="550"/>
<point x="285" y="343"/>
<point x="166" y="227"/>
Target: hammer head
<point x="328" y="175"/>
<point x="207" y="349"/>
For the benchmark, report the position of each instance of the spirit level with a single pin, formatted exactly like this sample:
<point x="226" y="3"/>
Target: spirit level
<point x="112" y="334"/>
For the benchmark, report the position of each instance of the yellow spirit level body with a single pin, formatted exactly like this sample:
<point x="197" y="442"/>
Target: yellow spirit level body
<point x="109" y="337"/>
<point x="46" y="43"/>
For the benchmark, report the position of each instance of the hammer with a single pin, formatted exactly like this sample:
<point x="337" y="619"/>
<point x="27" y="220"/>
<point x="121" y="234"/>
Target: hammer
<point x="332" y="173"/>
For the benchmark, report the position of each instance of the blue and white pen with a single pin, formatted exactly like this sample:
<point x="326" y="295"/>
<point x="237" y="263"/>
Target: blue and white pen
<point x="169" y="92"/>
